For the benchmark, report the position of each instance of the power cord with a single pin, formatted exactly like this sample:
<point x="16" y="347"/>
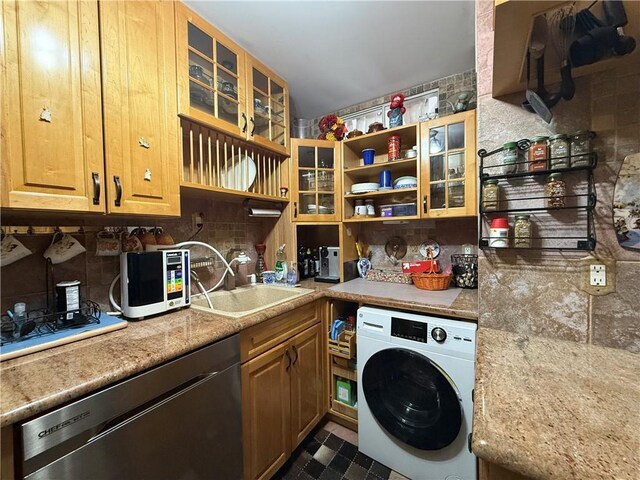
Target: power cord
<point x="200" y="227"/>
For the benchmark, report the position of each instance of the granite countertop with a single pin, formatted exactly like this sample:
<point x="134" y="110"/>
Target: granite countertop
<point x="409" y="297"/>
<point x="39" y="381"/>
<point x="556" y="409"/>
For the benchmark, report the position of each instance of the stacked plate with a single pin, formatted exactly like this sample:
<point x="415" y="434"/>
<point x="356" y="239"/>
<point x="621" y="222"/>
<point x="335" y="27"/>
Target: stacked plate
<point x="311" y="208"/>
<point x="405" y="182"/>
<point x="365" y="187"/>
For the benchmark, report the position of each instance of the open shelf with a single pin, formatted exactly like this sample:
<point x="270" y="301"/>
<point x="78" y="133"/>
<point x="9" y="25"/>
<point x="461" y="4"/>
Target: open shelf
<point x="363" y="218"/>
<point x="380" y="193"/>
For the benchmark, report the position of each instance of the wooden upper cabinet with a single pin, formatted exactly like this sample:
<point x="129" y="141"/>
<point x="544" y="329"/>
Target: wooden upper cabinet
<point x="448" y="168"/>
<point x="268" y="107"/>
<point x="221" y="85"/>
<point x="315" y="180"/>
<point x="211" y="74"/>
<point x="51" y="108"/>
<point x="140" y="107"/>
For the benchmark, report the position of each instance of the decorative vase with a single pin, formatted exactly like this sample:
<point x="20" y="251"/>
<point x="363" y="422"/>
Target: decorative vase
<point x="363" y="266"/>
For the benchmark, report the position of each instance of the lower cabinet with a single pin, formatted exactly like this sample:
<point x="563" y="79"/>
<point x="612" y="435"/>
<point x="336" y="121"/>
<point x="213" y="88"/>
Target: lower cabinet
<point x="282" y="389"/>
<point x="491" y="471"/>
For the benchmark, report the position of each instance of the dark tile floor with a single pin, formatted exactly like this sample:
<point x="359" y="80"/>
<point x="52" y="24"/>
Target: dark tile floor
<point x="325" y="456"/>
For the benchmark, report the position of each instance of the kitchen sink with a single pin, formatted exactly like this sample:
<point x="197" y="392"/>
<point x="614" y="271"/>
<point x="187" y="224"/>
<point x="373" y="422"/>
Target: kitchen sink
<point x="244" y="301"/>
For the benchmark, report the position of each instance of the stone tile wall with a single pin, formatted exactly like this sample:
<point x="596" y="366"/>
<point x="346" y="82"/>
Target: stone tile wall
<point x="447" y="86"/>
<point x="544" y="293"/>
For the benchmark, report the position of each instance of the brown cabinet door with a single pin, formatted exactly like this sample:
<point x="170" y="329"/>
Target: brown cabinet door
<point x="268" y="107"/>
<point x="491" y="471"/>
<point x="51" y="106"/>
<point x="307" y="393"/>
<point x="265" y="412"/>
<point x="316" y="180"/>
<point x="211" y="74"/>
<point x="448" y="170"/>
<point x="140" y="107"/>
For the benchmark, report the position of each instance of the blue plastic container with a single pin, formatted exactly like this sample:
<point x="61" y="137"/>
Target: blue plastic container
<point x="367" y="156"/>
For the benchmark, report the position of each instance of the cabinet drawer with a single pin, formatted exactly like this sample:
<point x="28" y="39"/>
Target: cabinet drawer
<point x="260" y="338"/>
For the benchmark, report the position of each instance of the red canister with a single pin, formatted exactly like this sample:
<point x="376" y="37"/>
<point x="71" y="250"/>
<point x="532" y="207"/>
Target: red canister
<point x="393" y="143"/>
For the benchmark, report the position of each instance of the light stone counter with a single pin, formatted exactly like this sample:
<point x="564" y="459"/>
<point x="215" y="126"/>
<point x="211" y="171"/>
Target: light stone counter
<point x="556" y="409"/>
<point x="36" y="382"/>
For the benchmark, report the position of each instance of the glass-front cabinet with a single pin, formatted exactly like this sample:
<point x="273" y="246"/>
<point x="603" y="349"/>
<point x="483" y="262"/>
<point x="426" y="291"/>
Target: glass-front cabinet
<point x="316" y="180"/>
<point x="221" y="85"/>
<point x="211" y="74"/>
<point x="448" y="173"/>
<point x="269" y="117"/>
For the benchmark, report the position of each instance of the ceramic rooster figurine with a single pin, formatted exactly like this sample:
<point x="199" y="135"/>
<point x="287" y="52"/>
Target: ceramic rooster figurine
<point x="397" y="109"/>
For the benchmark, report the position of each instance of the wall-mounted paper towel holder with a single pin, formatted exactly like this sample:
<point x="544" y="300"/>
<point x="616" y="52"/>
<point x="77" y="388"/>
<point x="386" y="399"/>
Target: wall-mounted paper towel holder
<point x="262" y="211"/>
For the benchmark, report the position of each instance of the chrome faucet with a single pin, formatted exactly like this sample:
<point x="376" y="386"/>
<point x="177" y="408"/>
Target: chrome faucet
<point x="241" y="259"/>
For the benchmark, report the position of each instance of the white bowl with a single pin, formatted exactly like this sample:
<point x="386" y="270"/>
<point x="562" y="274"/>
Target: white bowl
<point x="365" y="187"/>
<point x="405" y="182"/>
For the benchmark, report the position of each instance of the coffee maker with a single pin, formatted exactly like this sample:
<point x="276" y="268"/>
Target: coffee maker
<point x="329" y="265"/>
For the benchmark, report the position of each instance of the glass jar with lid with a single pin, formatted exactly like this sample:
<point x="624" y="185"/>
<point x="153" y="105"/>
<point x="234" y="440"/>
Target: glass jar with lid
<point x="555" y="191"/>
<point x="559" y="152"/>
<point x="509" y="158"/>
<point x="490" y="195"/>
<point x="538" y="154"/>
<point x="580" y="148"/>
<point x="522" y="232"/>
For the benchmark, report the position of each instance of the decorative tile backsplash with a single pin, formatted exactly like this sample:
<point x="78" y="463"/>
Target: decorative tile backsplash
<point x="226" y="226"/>
<point x="446" y="86"/>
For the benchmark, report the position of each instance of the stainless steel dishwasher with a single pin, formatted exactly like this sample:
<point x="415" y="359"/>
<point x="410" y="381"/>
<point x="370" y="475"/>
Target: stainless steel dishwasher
<point x="181" y="420"/>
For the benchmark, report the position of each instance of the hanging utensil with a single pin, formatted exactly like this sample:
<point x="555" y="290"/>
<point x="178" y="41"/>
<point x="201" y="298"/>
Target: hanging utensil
<point x="537" y="101"/>
<point x="561" y="27"/>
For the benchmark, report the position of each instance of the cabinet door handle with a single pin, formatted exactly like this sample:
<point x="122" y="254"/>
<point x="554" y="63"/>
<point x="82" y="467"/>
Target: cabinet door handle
<point x="116" y="180"/>
<point x="424" y="204"/>
<point x="253" y="129"/>
<point x="295" y="350"/>
<point x="96" y="188"/>
<point x="244" y="117"/>
<point x="295" y="209"/>
<point x="288" y="355"/>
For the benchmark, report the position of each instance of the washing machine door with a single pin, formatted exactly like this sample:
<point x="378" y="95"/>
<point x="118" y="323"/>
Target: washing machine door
<point x="412" y="398"/>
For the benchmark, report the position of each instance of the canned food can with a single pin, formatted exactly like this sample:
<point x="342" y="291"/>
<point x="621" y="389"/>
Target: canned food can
<point x="393" y="144"/>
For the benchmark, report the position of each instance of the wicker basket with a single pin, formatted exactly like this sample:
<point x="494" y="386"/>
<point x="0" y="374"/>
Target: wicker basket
<point x="431" y="280"/>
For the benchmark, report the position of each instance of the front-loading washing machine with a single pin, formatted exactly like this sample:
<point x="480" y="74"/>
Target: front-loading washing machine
<point x="415" y="387"/>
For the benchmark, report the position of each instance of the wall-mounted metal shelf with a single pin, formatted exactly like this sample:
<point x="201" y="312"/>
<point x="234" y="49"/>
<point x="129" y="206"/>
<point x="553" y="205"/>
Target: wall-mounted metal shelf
<point x="569" y="226"/>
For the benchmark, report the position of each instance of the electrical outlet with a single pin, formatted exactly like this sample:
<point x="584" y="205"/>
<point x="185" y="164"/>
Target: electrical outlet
<point x="598" y="275"/>
<point x="197" y="220"/>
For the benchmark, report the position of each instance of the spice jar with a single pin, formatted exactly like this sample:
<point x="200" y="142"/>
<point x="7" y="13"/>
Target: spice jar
<point x="538" y="154"/>
<point x="509" y="158"/>
<point x="490" y="195"/>
<point x="580" y="148"/>
<point x="393" y="144"/>
<point x="499" y="233"/>
<point x="555" y="191"/>
<point x="522" y="232"/>
<point x="559" y="152"/>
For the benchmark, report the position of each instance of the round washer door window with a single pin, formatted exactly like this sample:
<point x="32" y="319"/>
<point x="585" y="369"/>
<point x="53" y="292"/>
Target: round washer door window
<point x="412" y="399"/>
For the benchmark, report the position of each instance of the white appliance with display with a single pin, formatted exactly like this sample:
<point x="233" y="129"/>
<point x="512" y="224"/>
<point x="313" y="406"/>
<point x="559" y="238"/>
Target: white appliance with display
<point x="154" y="282"/>
<point x="415" y="384"/>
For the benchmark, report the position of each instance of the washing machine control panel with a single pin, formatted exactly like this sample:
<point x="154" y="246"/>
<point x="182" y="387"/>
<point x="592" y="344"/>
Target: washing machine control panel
<point x="409" y="329"/>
